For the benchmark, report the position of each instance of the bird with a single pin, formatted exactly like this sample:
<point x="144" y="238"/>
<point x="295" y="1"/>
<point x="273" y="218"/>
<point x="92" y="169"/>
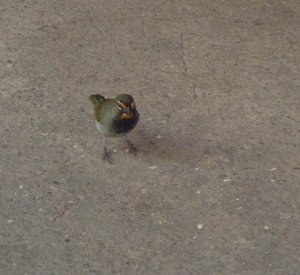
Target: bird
<point x="115" y="117"/>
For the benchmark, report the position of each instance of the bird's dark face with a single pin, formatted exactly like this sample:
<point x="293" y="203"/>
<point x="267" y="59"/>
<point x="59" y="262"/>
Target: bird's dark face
<point x="126" y="106"/>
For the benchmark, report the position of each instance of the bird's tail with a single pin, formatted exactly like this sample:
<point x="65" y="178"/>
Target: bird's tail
<point x="96" y="99"/>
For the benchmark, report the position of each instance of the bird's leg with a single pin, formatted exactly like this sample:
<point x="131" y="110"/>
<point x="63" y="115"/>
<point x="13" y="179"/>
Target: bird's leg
<point x="133" y="150"/>
<point x="106" y="154"/>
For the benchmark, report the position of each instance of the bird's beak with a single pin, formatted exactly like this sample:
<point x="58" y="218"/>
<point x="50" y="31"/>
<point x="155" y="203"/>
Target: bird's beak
<point x="128" y="111"/>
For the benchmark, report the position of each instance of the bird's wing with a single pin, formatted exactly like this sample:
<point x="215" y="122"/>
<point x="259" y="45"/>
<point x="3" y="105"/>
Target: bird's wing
<point x="104" y="110"/>
<point x="97" y="99"/>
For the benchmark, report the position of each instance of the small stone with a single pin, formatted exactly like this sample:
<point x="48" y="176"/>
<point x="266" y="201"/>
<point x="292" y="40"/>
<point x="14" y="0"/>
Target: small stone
<point x="197" y="168"/>
<point x="258" y="22"/>
<point x="153" y="167"/>
<point x="227" y="180"/>
<point x="198" y="192"/>
<point x="115" y="150"/>
<point x="266" y="227"/>
<point x="21" y="186"/>
<point x="273" y="169"/>
<point x="70" y="202"/>
<point x="158" y="137"/>
<point x="10" y="221"/>
<point x="200" y="226"/>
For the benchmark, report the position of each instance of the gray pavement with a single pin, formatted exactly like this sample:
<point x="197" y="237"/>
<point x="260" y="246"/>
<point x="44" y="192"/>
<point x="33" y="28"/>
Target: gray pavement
<point x="215" y="186"/>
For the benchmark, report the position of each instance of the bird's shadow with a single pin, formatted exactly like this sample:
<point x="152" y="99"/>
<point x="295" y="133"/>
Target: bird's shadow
<point x="175" y="146"/>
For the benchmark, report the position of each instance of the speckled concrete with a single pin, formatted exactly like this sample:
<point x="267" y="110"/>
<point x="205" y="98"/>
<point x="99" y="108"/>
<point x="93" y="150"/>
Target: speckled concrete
<point x="215" y="187"/>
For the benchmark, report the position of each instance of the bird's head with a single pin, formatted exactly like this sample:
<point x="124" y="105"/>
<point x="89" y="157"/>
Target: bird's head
<point x="126" y="106"/>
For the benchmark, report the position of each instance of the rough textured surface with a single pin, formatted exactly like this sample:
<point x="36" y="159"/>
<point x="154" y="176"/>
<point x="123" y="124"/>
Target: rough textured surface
<point x="215" y="187"/>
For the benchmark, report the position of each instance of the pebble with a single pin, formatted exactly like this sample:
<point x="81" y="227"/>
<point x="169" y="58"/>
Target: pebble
<point x="273" y="169"/>
<point x="10" y="221"/>
<point x="227" y="180"/>
<point x="153" y="167"/>
<point x="200" y="226"/>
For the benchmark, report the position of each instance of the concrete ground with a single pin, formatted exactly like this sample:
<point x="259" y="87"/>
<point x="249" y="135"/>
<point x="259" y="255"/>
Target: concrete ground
<point x="215" y="186"/>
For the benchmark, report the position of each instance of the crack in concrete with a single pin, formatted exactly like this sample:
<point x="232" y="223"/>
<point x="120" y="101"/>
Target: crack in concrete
<point x="159" y="6"/>
<point x="67" y="207"/>
<point x="185" y="68"/>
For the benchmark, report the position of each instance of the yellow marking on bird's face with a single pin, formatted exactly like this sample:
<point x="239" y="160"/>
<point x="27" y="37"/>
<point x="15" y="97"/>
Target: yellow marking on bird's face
<point x="126" y="116"/>
<point x="121" y="105"/>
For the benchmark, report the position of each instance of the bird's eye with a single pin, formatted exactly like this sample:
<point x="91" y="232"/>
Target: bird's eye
<point x="121" y="105"/>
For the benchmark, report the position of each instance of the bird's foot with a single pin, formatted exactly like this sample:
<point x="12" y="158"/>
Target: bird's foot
<point x="106" y="157"/>
<point x="132" y="150"/>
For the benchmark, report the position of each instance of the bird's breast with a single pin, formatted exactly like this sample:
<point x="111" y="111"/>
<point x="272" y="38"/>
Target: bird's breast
<point x="125" y="125"/>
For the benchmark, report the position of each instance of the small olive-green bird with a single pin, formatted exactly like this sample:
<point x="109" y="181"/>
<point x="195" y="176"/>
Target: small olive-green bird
<point x="115" y="117"/>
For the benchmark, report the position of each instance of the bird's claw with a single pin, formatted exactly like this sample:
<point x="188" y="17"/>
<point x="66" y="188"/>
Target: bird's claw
<point x="106" y="157"/>
<point x="133" y="150"/>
